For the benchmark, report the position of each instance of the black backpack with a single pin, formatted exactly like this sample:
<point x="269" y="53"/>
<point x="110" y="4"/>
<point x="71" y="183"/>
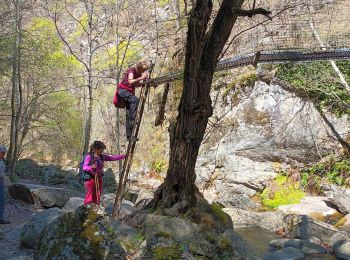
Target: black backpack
<point x="85" y="175"/>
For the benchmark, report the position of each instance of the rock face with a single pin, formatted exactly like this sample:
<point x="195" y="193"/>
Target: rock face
<point x="31" y="231"/>
<point x="82" y="234"/>
<point x="266" y="130"/>
<point x="338" y="196"/>
<point x="44" y="196"/>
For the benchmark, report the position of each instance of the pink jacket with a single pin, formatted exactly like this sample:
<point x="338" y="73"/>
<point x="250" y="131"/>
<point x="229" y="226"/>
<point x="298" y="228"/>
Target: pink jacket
<point x="100" y="163"/>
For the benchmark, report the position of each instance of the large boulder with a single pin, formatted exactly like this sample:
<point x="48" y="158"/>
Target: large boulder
<point x="243" y="218"/>
<point x="338" y="196"/>
<point x="314" y="207"/>
<point x="107" y="201"/>
<point x="303" y="227"/>
<point x="31" y="231"/>
<point x="73" y="204"/>
<point x="338" y="239"/>
<point x="343" y="251"/>
<point x="44" y="196"/>
<point x="289" y="253"/>
<point x="304" y="245"/>
<point x="175" y="238"/>
<point x="84" y="234"/>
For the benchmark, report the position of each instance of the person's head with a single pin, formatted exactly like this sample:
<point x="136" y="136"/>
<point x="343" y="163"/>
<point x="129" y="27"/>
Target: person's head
<point x="3" y="151"/>
<point x="142" y="66"/>
<point x="97" y="147"/>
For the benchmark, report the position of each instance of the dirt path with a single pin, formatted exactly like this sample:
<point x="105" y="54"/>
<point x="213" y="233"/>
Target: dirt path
<point x="18" y="213"/>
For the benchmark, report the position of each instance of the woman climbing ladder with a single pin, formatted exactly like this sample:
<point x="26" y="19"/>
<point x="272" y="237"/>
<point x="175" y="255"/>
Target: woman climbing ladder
<point x="133" y="78"/>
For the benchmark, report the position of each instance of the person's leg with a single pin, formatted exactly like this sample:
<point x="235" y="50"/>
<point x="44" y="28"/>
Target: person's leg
<point x="2" y="198"/>
<point x="2" y="202"/>
<point x="124" y="94"/>
<point x="131" y="109"/>
<point x="90" y="187"/>
<point x="133" y="100"/>
<point x="128" y="126"/>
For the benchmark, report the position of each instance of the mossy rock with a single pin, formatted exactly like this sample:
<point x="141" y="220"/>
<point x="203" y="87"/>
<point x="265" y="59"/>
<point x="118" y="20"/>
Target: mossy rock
<point x="166" y="252"/>
<point x="282" y="191"/>
<point x="78" y="235"/>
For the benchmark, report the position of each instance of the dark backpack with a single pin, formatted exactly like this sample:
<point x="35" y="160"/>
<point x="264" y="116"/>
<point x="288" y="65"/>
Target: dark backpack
<point x="85" y="175"/>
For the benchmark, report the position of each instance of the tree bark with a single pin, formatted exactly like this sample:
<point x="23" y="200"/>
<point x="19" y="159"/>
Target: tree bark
<point x="16" y="93"/>
<point x="88" y="123"/>
<point x="176" y="9"/>
<point x="202" y="52"/>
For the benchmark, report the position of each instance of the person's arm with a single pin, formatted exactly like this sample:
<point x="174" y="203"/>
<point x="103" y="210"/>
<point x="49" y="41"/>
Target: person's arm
<point x="87" y="167"/>
<point x="117" y="157"/>
<point x="138" y="81"/>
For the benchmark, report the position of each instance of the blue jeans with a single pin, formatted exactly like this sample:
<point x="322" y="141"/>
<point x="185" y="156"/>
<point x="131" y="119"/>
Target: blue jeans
<point x="2" y="198"/>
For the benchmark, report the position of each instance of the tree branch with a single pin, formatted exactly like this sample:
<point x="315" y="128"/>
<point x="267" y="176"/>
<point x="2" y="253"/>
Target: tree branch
<point x="252" y="12"/>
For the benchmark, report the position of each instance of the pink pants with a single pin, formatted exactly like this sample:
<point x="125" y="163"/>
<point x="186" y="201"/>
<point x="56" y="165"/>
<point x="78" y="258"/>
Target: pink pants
<point x="93" y="193"/>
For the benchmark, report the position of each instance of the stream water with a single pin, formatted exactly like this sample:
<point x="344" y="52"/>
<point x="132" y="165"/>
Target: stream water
<point x="258" y="239"/>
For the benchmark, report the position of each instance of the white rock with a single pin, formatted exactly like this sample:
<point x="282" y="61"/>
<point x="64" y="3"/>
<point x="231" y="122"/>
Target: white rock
<point x="310" y="206"/>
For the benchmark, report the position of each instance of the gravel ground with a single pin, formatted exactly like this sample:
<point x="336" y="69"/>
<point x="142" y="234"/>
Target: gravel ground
<point x="18" y="213"/>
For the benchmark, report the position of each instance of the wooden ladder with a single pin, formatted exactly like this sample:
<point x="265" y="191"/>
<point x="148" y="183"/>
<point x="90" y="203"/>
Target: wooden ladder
<point x="123" y="175"/>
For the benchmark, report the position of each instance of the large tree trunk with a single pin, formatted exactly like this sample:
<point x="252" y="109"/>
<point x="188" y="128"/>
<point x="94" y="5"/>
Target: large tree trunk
<point x="202" y="52"/>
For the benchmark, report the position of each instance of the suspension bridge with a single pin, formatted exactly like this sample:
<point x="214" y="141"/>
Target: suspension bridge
<point x="298" y="32"/>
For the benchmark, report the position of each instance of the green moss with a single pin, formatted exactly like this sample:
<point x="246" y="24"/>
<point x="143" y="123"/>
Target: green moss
<point x="163" y="234"/>
<point x="244" y="80"/>
<point x="167" y="252"/>
<point x="224" y="243"/>
<point x="340" y="222"/>
<point x="219" y="213"/>
<point x="91" y="231"/>
<point x="282" y="192"/>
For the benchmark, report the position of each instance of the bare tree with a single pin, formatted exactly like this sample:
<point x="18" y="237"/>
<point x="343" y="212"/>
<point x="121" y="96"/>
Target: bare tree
<point x="16" y="96"/>
<point x="92" y="42"/>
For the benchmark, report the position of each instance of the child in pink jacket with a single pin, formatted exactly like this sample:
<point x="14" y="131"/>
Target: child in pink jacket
<point x="93" y="164"/>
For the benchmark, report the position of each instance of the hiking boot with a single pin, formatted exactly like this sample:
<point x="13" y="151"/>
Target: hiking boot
<point x="5" y="222"/>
